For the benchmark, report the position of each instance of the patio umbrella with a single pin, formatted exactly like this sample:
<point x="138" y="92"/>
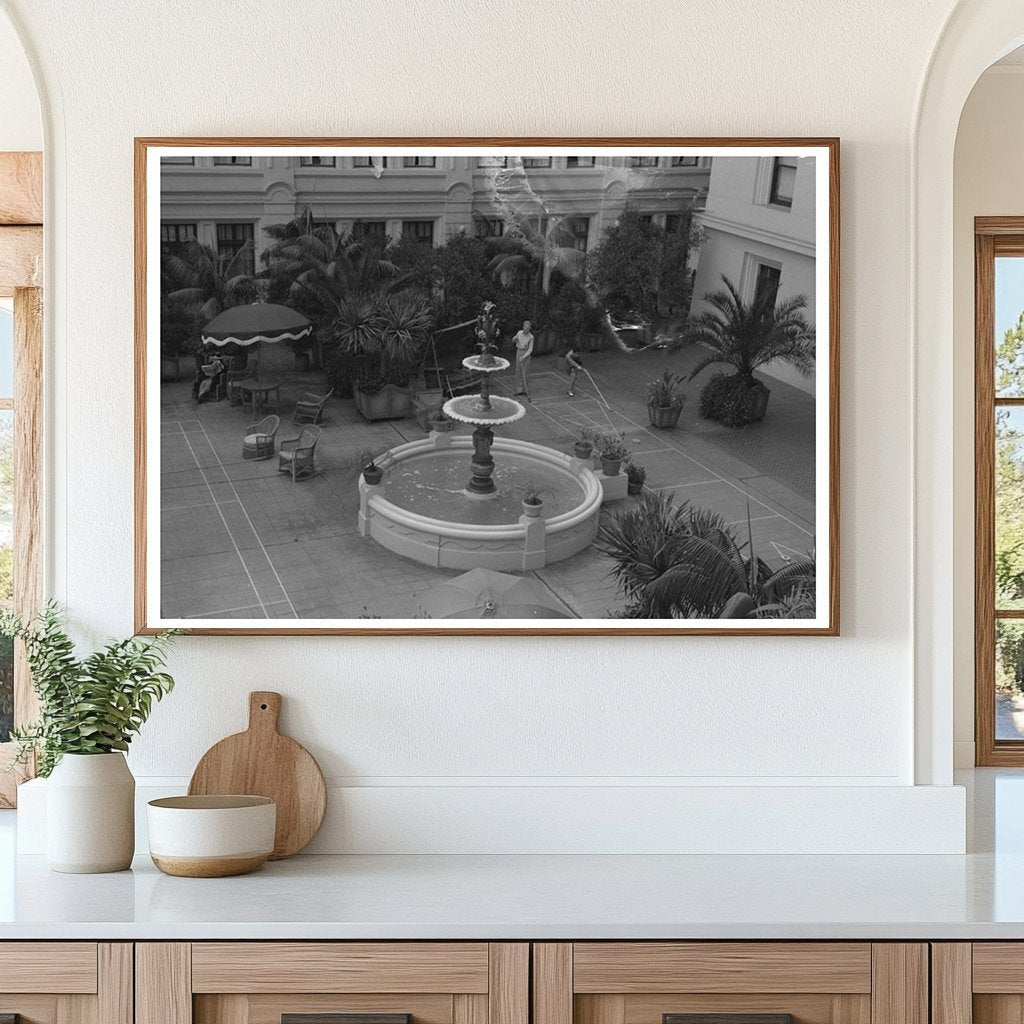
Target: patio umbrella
<point x="484" y="593"/>
<point x="254" y="324"/>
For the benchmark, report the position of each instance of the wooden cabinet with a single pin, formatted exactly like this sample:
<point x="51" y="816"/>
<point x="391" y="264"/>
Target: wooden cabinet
<point x="66" y="982"/>
<point x="978" y="983"/>
<point x="313" y="983"/>
<point x="747" y="982"/>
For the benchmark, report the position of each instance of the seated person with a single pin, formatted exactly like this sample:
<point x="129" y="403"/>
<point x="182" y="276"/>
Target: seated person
<point x="210" y="380"/>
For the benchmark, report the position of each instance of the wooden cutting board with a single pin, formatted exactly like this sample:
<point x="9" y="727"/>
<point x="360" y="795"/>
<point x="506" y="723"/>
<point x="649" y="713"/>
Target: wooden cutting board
<point x="262" y="762"/>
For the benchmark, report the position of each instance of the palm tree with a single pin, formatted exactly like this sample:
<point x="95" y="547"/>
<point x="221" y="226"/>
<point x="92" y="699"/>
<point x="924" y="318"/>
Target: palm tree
<point x="747" y="336"/>
<point x="681" y="561"/>
<point x="204" y="282"/>
<point x="529" y="252"/>
<point x="391" y="329"/>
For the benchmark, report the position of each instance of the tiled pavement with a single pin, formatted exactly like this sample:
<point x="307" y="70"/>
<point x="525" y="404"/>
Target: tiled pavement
<point x="240" y="540"/>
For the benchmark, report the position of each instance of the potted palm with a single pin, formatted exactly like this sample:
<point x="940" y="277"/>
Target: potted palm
<point x="371" y="463"/>
<point x="635" y="477"/>
<point x="533" y="499"/>
<point x="89" y="710"/>
<point x="665" y="400"/>
<point x="391" y="331"/>
<point x="747" y="336"/>
<point x="612" y="448"/>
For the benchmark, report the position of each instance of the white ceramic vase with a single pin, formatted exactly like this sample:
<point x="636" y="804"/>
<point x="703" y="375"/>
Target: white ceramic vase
<point x="90" y="814"/>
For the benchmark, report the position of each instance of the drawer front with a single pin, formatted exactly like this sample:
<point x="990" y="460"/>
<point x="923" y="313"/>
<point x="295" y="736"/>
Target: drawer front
<point x="333" y="983"/>
<point x="64" y="967"/>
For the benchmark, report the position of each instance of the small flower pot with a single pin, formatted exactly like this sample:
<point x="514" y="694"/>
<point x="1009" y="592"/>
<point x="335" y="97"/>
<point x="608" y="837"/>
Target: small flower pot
<point x="442" y="426"/>
<point x="583" y="450"/>
<point x="610" y="467"/>
<point x="373" y="475"/>
<point x="634" y="488"/>
<point x="532" y="509"/>
<point x="664" y="417"/>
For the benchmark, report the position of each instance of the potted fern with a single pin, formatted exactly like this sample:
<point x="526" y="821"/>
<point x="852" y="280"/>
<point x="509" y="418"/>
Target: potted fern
<point x="89" y="710"/>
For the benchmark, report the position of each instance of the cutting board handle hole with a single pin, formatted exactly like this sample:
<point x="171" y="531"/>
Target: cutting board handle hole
<point x="263" y="707"/>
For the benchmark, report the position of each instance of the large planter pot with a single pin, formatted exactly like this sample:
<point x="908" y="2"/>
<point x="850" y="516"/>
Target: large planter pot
<point x="665" y="417"/>
<point x="592" y="342"/>
<point x="90" y="814"/>
<point x="302" y="361"/>
<point x="758" y="402"/>
<point x="545" y="342"/>
<point x="390" y="403"/>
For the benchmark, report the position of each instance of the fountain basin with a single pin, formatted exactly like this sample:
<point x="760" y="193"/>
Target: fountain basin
<point x="421" y="512"/>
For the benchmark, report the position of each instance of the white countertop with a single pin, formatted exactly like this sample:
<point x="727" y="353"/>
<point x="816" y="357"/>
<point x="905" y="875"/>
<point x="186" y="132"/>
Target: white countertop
<point x="496" y="897"/>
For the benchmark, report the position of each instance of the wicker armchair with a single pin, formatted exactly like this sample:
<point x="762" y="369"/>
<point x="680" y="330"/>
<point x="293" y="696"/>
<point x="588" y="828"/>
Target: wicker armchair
<point x="259" y="439"/>
<point x="298" y="454"/>
<point x="235" y="395"/>
<point x="310" y="407"/>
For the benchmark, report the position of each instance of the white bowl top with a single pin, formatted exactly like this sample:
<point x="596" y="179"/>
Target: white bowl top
<point x="216" y="802"/>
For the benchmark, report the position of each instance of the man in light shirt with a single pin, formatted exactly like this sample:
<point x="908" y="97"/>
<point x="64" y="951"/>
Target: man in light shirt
<point x="524" y="350"/>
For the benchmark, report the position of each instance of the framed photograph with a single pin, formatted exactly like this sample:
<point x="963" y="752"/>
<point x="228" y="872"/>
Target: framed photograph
<point x="500" y="386"/>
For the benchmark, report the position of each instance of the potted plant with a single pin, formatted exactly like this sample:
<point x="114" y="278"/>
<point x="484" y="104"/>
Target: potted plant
<point x="665" y="400"/>
<point x="746" y="336"/>
<point x="89" y="709"/>
<point x="612" y="449"/>
<point x="533" y="499"/>
<point x="371" y="463"/>
<point x="583" y="447"/>
<point x="635" y="476"/>
<point x="440" y="422"/>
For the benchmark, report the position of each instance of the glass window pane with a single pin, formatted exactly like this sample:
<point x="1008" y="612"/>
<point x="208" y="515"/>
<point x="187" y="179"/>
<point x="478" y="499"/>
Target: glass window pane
<point x="1009" y="327"/>
<point x="6" y="567"/>
<point x="1009" y="512"/>
<point x="6" y="353"/>
<point x="1009" y="679"/>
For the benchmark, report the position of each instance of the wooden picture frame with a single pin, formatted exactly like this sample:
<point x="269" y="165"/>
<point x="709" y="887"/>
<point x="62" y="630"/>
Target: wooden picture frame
<point x="771" y="182"/>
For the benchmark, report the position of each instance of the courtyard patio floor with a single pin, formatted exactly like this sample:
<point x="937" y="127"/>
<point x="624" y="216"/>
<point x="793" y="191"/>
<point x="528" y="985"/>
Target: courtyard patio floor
<point x="239" y="540"/>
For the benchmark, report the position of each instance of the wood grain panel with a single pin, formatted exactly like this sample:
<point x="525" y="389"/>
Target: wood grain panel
<point x="267" y="1009"/>
<point x="998" y="967"/>
<point x="339" y="967"/>
<point x="899" y="989"/>
<point x="951" y="983"/>
<point x="604" y="1009"/>
<point x="552" y="983"/>
<point x="508" y="992"/>
<point x="76" y="1009"/>
<point x="633" y="967"/>
<point x="805" y="1008"/>
<point x="468" y="1009"/>
<point x="21" y="188"/>
<point x="115" y="983"/>
<point x="998" y="1009"/>
<point x="32" y="1009"/>
<point x="163" y="983"/>
<point x="65" y="967"/>
<point x="21" y="259"/>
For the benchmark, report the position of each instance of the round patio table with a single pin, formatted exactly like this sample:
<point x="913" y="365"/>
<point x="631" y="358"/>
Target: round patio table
<point x="258" y="393"/>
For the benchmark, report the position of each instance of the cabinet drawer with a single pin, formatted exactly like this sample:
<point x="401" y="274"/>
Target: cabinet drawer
<point x="332" y="983"/>
<point x="64" y="967"/>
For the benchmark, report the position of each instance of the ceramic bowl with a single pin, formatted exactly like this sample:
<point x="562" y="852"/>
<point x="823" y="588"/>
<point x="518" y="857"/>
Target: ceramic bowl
<point x="211" y="836"/>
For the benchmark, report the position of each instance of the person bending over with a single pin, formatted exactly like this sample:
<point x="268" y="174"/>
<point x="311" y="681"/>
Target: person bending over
<point x="573" y="365"/>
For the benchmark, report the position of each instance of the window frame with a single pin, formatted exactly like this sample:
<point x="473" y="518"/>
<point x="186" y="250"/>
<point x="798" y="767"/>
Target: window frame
<point x="993" y="237"/>
<point x="21" y="259"/>
<point x="774" y="198"/>
<point x="304" y="161"/>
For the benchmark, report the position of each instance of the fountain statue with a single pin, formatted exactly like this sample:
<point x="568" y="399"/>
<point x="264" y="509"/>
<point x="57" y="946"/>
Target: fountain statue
<point x="484" y="411"/>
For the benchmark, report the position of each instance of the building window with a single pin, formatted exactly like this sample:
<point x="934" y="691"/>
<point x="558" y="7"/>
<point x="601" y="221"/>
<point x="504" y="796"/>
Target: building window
<point x="233" y="239"/>
<point x="183" y="161"/>
<point x="421" y="231"/>
<point x="766" y="284"/>
<point x="643" y="161"/>
<point x="174" y="237"/>
<point x="367" y="161"/>
<point x="536" y="161"/>
<point x="684" y="161"/>
<point x="492" y="161"/>
<point x="783" y="179"/>
<point x="317" y="161"/>
<point x="232" y="161"/>
<point x="490" y="227"/>
<point x="419" y="161"/>
<point x="369" y="229"/>
<point x="579" y="230"/>
<point x="675" y="222"/>
<point x="645" y="218"/>
<point x="579" y="161"/>
<point x="999" y="492"/>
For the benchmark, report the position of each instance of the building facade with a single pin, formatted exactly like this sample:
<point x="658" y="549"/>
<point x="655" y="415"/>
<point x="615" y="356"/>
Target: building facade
<point x="228" y="201"/>
<point x="759" y="222"/>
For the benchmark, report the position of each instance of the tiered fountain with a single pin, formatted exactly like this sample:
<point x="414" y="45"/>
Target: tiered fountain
<point x="426" y="510"/>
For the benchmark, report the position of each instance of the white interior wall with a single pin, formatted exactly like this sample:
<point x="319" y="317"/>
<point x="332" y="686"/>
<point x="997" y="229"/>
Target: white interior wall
<point x="433" y="716"/>
<point x="987" y="182"/>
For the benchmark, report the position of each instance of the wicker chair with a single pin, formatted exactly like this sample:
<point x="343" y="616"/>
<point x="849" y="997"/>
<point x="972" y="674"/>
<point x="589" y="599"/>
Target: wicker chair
<point x="298" y="454"/>
<point x="258" y="442"/>
<point x="310" y="407"/>
<point x="235" y="394"/>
